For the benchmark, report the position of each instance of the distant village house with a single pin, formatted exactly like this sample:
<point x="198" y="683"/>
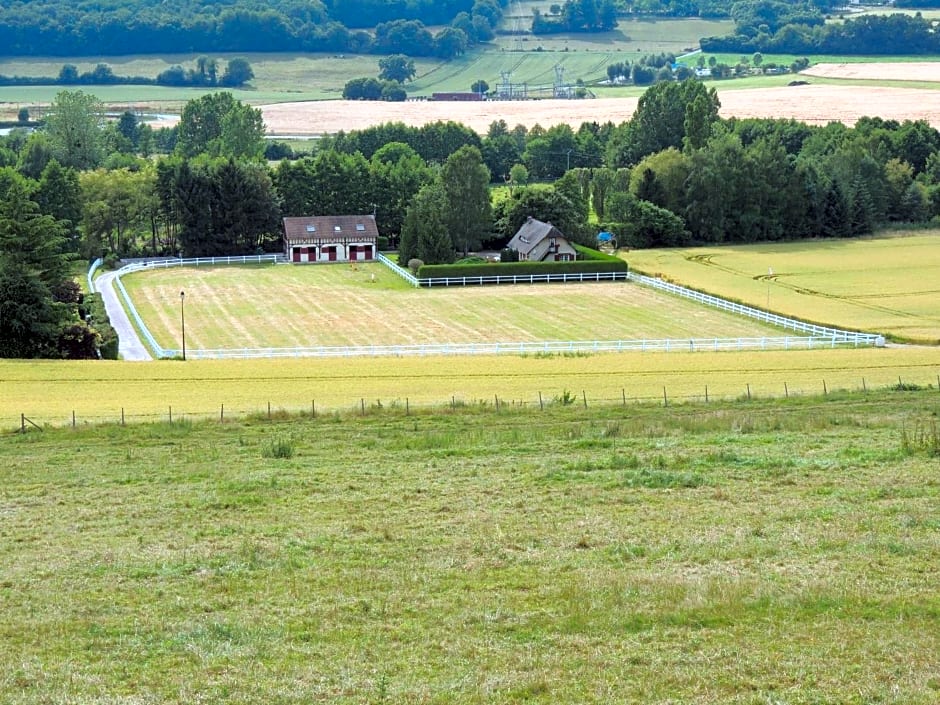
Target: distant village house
<point x="330" y="238"/>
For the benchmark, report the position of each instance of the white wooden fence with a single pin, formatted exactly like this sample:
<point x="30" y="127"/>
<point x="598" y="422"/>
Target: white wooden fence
<point x="816" y="336"/>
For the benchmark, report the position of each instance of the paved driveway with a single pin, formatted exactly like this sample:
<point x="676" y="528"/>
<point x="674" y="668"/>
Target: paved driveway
<point x="130" y="346"/>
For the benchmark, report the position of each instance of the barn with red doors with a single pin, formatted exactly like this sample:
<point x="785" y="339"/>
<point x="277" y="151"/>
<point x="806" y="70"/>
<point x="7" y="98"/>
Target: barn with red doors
<point x="330" y="238"/>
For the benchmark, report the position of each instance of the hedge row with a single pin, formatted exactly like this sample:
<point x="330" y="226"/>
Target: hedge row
<point x="97" y="318"/>
<point x="598" y="262"/>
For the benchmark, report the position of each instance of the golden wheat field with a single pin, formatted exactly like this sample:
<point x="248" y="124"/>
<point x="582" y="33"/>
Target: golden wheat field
<point x="49" y="391"/>
<point x="888" y="285"/>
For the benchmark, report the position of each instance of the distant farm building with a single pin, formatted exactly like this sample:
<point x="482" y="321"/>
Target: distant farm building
<point x="536" y="241"/>
<point x="465" y="96"/>
<point x="330" y="238"/>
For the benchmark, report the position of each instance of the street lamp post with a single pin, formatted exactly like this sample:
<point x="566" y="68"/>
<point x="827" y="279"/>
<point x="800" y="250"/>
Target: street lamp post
<point x="183" y="321"/>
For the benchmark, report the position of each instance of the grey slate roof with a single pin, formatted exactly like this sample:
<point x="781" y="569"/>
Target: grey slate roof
<point x="531" y="234"/>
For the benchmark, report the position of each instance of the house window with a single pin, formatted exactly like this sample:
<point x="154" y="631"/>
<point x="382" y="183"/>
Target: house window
<point x="311" y="228"/>
<point x="336" y="228"/>
<point x="360" y="227"/>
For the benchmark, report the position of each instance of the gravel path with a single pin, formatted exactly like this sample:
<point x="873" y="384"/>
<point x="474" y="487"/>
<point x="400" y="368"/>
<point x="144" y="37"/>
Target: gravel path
<point x="130" y="346"/>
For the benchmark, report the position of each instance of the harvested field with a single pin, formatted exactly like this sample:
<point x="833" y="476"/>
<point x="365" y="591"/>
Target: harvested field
<point x="878" y="71"/>
<point x="812" y="104"/>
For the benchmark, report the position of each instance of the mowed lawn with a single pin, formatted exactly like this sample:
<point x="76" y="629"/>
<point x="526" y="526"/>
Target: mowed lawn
<point x="889" y="284"/>
<point x="745" y="554"/>
<point x="287" y="306"/>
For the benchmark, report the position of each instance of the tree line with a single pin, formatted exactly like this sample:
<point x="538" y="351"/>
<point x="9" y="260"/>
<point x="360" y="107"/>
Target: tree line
<point x="205" y="73"/>
<point x="808" y="33"/>
<point x="60" y="28"/>
<point x="674" y="174"/>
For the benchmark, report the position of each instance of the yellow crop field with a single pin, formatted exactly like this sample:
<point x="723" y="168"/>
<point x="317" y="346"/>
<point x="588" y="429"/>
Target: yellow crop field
<point x="889" y="284"/>
<point x="49" y="391"/>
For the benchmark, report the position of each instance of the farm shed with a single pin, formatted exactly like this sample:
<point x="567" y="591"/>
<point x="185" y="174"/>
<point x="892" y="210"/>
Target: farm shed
<point x="330" y="238"/>
<point x="536" y="241"/>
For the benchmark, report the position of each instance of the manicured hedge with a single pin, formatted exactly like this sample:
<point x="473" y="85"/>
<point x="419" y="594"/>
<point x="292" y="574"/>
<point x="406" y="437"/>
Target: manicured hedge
<point x="591" y="261"/>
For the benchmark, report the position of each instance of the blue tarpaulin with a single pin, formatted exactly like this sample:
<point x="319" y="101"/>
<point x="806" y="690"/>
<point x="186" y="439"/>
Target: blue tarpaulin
<point x="605" y="236"/>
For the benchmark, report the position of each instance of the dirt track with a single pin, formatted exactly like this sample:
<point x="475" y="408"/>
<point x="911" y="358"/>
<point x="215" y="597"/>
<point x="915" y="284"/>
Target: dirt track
<point x="812" y="104"/>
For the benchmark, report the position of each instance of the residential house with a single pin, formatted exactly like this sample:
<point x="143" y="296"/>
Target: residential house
<point x="536" y="241"/>
<point x="330" y="238"/>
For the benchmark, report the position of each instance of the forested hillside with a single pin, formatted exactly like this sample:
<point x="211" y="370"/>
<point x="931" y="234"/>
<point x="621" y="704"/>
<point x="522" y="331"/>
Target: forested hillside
<point x="115" y="27"/>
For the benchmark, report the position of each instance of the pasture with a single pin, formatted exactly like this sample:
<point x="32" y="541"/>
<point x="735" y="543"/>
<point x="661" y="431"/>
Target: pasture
<point x="883" y="285"/>
<point x="742" y="553"/>
<point x="286" y="306"/>
<point x="48" y="392"/>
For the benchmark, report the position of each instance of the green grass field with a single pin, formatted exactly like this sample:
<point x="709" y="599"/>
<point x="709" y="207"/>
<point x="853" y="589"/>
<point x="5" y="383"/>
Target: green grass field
<point x="780" y="552"/>
<point x="287" y="306"/>
<point x="886" y="284"/>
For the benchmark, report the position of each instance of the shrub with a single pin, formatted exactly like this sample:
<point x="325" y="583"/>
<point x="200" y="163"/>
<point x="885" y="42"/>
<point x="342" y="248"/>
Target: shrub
<point x="279" y="447"/>
<point x="590" y="262"/>
<point x="416" y="265"/>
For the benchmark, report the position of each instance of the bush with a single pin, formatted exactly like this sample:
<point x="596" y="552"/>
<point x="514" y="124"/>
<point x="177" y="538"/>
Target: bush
<point x="97" y="317"/>
<point x="415" y="265"/>
<point x="508" y="269"/>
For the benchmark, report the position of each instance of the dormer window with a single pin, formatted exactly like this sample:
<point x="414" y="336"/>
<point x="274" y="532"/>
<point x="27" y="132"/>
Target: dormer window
<point x="311" y="228"/>
<point x="336" y="229"/>
<point x="360" y="227"/>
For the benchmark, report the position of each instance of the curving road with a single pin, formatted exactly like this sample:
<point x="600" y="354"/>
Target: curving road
<point x="130" y="347"/>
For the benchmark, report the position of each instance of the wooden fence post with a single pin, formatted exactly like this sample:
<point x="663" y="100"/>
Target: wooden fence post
<point x="623" y="393"/>
<point x="748" y="391"/>
<point x="541" y="404"/>
<point x="584" y="397"/>
<point x="313" y="408"/>
<point x="407" y="407"/>
<point x="825" y="389"/>
<point x="665" y="398"/>
<point x="222" y="414"/>
<point x="122" y="415"/>
<point x="171" y="414"/>
<point x="73" y="418"/>
<point x="706" y="393"/>
<point x="362" y="405"/>
<point x="786" y="391"/>
<point x="269" y="411"/>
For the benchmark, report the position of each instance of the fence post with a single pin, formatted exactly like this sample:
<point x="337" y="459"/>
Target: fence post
<point x="665" y="398"/>
<point x="864" y="388"/>
<point x="706" y="393"/>
<point x="748" y="391"/>
<point x="73" y="418"/>
<point x="269" y="411"/>
<point x="313" y="408"/>
<point x="825" y="389"/>
<point x="407" y="407"/>
<point x="171" y="414"/>
<point x="623" y="393"/>
<point x="122" y="415"/>
<point x="222" y="414"/>
<point x="584" y="397"/>
<point x="22" y="423"/>
<point x="362" y="405"/>
<point x="496" y="398"/>
<point x="541" y="405"/>
<point x="786" y="392"/>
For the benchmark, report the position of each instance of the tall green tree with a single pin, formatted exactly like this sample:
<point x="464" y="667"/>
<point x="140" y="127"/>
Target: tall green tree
<point x="426" y="226"/>
<point x="466" y="182"/>
<point x="32" y="264"/>
<point x="219" y="125"/>
<point x="74" y="126"/>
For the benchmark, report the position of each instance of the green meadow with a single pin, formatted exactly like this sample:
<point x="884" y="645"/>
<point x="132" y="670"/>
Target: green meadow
<point x="764" y="552"/>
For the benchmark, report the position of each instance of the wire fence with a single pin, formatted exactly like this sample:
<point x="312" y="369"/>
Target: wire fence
<point x="534" y="401"/>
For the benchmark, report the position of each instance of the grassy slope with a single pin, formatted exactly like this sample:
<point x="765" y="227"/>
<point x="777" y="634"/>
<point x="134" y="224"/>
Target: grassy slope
<point x="280" y="306"/>
<point x="886" y="284"/>
<point x="753" y="553"/>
